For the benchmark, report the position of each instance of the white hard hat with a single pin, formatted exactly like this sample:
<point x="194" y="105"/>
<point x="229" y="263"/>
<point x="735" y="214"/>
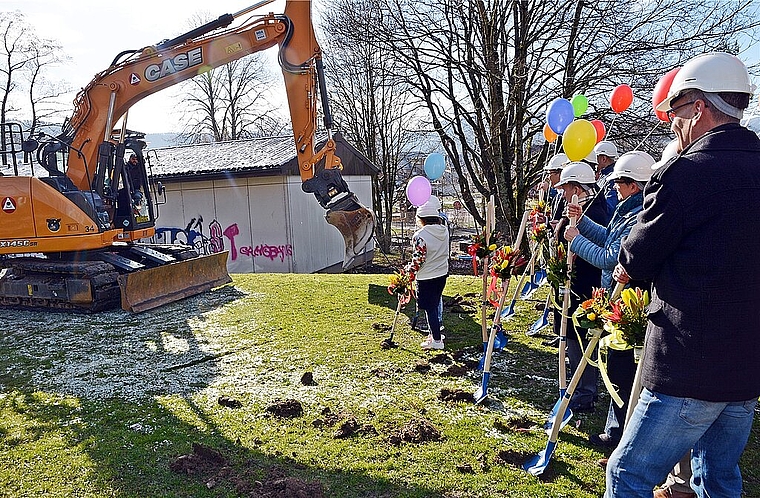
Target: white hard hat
<point x="712" y="73"/>
<point x="607" y="149"/>
<point x="670" y="151"/>
<point x="557" y="162"/>
<point x="577" y="172"/>
<point x="429" y="208"/>
<point x="591" y="157"/>
<point x="636" y="165"/>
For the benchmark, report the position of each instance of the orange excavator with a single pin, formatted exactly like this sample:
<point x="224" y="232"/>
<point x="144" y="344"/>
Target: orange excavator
<point x="71" y="235"/>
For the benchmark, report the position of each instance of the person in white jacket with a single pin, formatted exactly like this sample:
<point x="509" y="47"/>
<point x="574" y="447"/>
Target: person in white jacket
<point x="430" y="266"/>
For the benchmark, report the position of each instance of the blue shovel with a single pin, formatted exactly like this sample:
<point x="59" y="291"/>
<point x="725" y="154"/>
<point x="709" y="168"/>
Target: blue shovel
<point x="536" y="465"/>
<point x="542" y="320"/>
<point x="482" y="392"/>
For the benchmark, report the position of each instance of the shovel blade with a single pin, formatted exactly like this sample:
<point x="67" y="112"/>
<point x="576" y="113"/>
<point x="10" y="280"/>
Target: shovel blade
<point x="528" y="290"/>
<point x="537" y="465"/>
<point x="508" y="311"/>
<point x="549" y="425"/>
<point x="482" y="392"/>
<point x="501" y="340"/>
<point x="539" y="324"/>
<point x="539" y="278"/>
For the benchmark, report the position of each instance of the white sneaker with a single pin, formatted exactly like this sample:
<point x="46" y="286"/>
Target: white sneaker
<point x="429" y="343"/>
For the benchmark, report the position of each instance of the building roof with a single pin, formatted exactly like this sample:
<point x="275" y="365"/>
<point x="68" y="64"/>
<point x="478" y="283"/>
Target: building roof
<point x="270" y="156"/>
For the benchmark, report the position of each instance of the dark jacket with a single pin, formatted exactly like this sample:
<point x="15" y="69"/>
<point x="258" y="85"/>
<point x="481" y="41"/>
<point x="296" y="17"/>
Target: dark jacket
<point x="697" y="240"/>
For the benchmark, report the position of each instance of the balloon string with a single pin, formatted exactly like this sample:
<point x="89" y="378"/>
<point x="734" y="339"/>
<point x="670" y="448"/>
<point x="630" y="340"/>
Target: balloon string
<point x="609" y="130"/>
<point x="648" y="134"/>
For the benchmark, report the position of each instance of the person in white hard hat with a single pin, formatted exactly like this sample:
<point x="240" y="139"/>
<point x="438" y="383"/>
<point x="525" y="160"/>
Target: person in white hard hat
<point x="430" y="266"/>
<point x="600" y="246"/>
<point x="578" y="178"/>
<point x="700" y="368"/>
<point x="606" y="154"/>
<point x="553" y="168"/>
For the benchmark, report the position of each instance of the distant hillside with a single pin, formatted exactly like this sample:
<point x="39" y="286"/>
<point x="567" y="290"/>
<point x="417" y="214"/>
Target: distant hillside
<point x="159" y="140"/>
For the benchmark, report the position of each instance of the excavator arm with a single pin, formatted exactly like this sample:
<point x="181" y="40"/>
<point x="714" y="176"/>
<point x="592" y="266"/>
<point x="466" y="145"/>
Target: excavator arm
<point x="144" y="72"/>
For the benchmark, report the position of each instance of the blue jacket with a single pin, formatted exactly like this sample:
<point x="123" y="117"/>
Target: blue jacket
<point x="600" y="245"/>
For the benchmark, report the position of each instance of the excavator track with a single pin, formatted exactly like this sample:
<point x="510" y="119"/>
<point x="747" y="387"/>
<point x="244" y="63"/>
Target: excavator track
<point x="137" y="277"/>
<point x="44" y="284"/>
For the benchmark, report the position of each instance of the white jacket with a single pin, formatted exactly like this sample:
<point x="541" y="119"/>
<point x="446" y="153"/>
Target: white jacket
<point x="436" y="239"/>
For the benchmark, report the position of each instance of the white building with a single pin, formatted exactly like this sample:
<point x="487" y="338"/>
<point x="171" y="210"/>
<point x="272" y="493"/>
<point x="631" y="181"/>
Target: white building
<point x="245" y="197"/>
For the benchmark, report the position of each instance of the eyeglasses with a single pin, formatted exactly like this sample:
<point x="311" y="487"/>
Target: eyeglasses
<point x="671" y="113"/>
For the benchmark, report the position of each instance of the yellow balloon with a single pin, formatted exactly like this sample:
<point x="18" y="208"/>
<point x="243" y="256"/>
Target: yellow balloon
<point x="579" y="139"/>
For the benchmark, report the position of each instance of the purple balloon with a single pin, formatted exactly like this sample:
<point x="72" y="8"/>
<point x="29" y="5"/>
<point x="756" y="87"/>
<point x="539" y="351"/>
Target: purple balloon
<point x="559" y="115"/>
<point x="418" y="190"/>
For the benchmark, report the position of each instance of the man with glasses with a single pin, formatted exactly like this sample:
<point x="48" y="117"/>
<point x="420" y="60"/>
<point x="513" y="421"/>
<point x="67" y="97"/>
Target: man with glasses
<point x="700" y="373"/>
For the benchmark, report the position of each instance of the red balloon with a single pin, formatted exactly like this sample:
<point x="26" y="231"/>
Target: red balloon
<point x="600" y="130"/>
<point x="661" y="90"/>
<point x="621" y="98"/>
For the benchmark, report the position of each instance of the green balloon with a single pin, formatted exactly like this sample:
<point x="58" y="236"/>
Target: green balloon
<point x="580" y="104"/>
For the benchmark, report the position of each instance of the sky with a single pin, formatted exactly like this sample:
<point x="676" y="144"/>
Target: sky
<point x="93" y="32"/>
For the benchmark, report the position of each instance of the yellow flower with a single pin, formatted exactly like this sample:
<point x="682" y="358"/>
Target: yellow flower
<point x="592" y="316"/>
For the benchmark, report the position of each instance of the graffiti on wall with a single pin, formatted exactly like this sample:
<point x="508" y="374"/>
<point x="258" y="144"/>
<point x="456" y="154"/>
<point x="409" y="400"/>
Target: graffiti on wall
<point x="218" y="239"/>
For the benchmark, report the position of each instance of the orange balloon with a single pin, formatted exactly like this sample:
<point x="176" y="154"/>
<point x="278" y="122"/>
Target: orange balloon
<point x="621" y="98"/>
<point x="601" y="131"/>
<point x="549" y="134"/>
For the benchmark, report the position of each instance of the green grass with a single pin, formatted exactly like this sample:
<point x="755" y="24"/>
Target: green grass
<point x="96" y="406"/>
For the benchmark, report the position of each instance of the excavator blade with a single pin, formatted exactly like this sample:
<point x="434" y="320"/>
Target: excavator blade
<point x="146" y="289"/>
<point x="357" y="225"/>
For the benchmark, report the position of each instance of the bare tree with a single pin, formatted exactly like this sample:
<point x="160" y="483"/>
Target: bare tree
<point x="373" y="107"/>
<point x="25" y="57"/>
<point x="486" y="70"/>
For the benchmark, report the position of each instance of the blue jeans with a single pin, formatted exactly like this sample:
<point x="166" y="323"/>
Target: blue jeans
<point x="663" y="428"/>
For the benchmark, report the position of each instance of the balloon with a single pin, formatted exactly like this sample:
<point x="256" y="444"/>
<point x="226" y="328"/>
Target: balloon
<point x="418" y="190"/>
<point x="435" y="165"/>
<point x="660" y="92"/>
<point x="601" y="131"/>
<point x="579" y="139"/>
<point x="549" y="135"/>
<point x="559" y="114"/>
<point x="580" y="104"/>
<point x="621" y="98"/>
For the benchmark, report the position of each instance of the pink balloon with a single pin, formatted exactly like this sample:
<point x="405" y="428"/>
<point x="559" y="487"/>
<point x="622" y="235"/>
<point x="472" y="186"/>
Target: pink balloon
<point x="418" y="190"/>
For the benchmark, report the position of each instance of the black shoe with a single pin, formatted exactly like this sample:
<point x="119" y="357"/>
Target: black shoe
<point x="603" y="440"/>
<point x="554" y="342"/>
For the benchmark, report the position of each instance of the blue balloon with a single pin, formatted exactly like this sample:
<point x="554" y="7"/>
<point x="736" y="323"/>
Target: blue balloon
<point x="435" y="165"/>
<point x="559" y="115"/>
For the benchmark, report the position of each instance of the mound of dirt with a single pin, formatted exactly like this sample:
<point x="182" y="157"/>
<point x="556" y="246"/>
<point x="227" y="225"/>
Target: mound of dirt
<point x="455" y="395"/>
<point x="415" y="431"/>
<point x="229" y="402"/>
<point x="307" y="379"/>
<point x="203" y="460"/>
<point x="286" y="408"/>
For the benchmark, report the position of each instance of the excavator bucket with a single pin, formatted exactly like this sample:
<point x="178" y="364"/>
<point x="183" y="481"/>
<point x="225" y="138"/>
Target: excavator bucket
<point x="146" y="289"/>
<point x="357" y="225"/>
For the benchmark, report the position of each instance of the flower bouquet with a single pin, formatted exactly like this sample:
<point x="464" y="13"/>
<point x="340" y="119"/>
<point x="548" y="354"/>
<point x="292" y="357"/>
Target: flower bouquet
<point x="539" y="233"/>
<point x="482" y="247"/>
<point x="591" y="314"/>
<point x="627" y="319"/>
<point x="557" y="270"/>
<point x="506" y="262"/>
<point x="539" y="210"/>
<point x="400" y="285"/>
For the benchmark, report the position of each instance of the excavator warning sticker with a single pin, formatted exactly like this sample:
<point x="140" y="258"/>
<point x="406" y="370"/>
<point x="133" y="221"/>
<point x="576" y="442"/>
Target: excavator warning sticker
<point x="260" y="34"/>
<point x="9" y="205"/>
<point x="134" y="79"/>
